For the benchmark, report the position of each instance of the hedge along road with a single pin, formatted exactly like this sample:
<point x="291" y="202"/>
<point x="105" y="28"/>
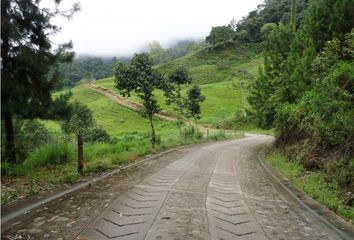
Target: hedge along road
<point x="208" y="191"/>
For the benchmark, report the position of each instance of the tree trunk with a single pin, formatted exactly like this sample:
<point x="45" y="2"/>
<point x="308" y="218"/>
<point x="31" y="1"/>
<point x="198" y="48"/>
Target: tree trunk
<point x="243" y="100"/>
<point x="80" y="154"/>
<point x="179" y="124"/>
<point x="293" y="15"/>
<point x="5" y="75"/>
<point x="10" y="138"/>
<point x="153" y="136"/>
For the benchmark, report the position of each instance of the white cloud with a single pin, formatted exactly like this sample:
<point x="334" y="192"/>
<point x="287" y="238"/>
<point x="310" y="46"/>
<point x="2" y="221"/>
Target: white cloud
<point x="121" y="27"/>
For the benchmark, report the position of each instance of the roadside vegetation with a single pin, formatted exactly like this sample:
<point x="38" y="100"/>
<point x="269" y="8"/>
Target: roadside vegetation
<point x="314" y="184"/>
<point x="305" y="91"/>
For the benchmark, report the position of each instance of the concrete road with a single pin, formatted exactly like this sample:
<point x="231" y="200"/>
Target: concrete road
<point x="211" y="191"/>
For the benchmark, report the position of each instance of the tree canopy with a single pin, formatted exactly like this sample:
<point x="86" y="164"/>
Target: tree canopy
<point x="219" y="35"/>
<point x="194" y="99"/>
<point x="30" y="65"/>
<point x="305" y="87"/>
<point x="80" y="122"/>
<point x="141" y="78"/>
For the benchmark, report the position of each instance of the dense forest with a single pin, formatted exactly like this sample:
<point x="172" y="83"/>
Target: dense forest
<point x="88" y="68"/>
<point x="306" y="88"/>
<point x="255" y="27"/>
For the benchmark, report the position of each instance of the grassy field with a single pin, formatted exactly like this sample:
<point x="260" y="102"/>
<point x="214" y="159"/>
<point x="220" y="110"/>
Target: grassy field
<point x="312" y="183"/>
<point x="115" y="119"/>
<point x="217" y="65"/>
<point x="221" y="100"/>
<point x="212" y="71"/>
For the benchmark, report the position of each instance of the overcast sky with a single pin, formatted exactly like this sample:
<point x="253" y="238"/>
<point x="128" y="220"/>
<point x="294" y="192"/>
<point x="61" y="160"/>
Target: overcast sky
<point x="122" y="27"/>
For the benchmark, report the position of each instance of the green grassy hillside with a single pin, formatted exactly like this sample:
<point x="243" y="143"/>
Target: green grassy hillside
<point x="221" y="100"/>
<point x="217" y="65"/>
<point x="115" y="119"/>
<point x="212" y="71"/>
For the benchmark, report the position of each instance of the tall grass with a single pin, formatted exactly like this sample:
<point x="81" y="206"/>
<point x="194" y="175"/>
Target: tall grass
<point x="50" y="155"/>
<point x="313" y="183"/>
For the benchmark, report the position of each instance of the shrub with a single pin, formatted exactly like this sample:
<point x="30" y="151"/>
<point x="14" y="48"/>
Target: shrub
<point x="97" y="135"/>
<point x="343" y="172"/>
<point x="32" y="135"/>
<point x="218" y="136"/>
<point x="50" y="154"/>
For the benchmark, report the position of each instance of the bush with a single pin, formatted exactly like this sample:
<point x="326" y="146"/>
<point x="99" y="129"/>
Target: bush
<point x="343" y="173"/>
<point x="97" y="135"/>
<point x="218" y="136"/>
<point x="50" y="154"/>
<point x="32" y="135"/>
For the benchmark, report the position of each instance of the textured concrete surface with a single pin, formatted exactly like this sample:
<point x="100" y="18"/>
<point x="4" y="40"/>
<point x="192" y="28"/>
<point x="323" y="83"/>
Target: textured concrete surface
<point x="211" y="191"/>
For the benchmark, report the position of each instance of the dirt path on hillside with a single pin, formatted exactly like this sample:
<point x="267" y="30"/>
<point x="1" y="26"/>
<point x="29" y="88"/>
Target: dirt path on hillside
<point x="162" y="115"/>
<point x="211" y="191"/>
<point x="125" y="102"/>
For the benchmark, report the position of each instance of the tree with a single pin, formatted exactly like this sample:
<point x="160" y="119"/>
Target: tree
<point x="29" y="65"/>
<point x="80" y="122"/>
<point x="272" y="83"/>
<point x="140" y="77"/>
<point x="244" y="80"/>
<point x="156" y="52"/>
<point x="267" y="29"/>
<point x="179" y="77"/>
<point x="195" y="97"/>
<point x="219" y="34"/>
<point x="271" y="12"/>
<point x="293" y="15"/>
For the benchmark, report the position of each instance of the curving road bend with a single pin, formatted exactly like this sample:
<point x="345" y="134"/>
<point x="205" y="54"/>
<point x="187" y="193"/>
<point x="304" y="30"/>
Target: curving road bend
<point x="211" y="191"/>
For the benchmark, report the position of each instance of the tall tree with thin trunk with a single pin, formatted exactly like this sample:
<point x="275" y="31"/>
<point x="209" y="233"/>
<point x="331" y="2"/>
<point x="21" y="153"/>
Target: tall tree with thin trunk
<point x="195" y="97"/>
<point x="293" y="15"/>
<point x="139" y="77"/>
<point x="174" y="96"/>
<point x="243" y="80"/>
<point x="79" y="123"/>
<point x="29" y="64"/>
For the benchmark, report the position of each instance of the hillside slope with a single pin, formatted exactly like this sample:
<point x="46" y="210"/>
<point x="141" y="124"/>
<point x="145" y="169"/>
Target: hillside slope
<point x="212" y="71"/>
<point x="115" y="119"/>
<point x="217" y="65"/>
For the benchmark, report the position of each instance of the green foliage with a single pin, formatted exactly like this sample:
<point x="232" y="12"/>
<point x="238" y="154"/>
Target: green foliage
<point x="33" y="135"/>
<point x="267" y="29"/>
<point x="89" y="68"/>
<point x="180" y="76"/>
<point x="173" y="93"/>
<point x="271" y="86"/>
<point x="342" y="172"/>
<point x="50" y="155"/>
<point x="179" y="49"/>
<point x="260" y="22"/>
<point x="80" y="121"/>
<point x="329" y="105"/>
<point x="305" y="90"/>
<point x="156" y="52"/>
<point x="139" y="77"/>
<point x="29" y="64"/>
<point x="219" y="35"/>
<point x="218" y="136"/>
<point x="194" y="99"/>
<point x="97" y="135"/>
<point x="316" y="184"/>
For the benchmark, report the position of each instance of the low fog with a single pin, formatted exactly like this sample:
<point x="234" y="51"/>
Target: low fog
<point x="119" y="28"/>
